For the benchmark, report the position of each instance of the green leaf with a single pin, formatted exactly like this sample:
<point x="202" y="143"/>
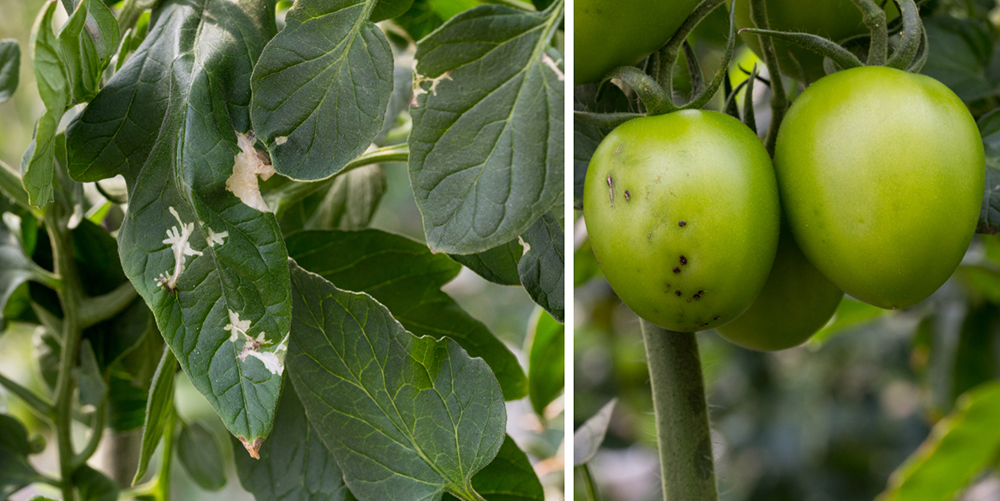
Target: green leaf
<point x="126" y="402"/>
<point x="850" y="313"/>
<point x="406" y="277"/>
<point x="199" y="453"/>
<point x="16" y="267"/>
<point x="542" y="267"/>
<point x="586" y="138"/>
<point x="486" y="149"/>
<point x="989" y="215"/>
<point x="406" y="417"/>
<point x="545" y="360"/>
<point x="509" y="477"/>
<point x="958" y="448"/>
<point x="498" y="265"/>
<point x="159" y="407"/>
<point x="426" y="16"/>
<point x="47" y="352"/>
<point x="15" y="471"/>
<point x="10" y="67"/>
<point x="959" y="57"/>
<point x="399" y="101"/>
<point x="93" y="389"/>
<point x="94" y="485"/>
<point x="388" y="9"/>
<point x="588" y="437"/>
<point x="68" y="69"/>
<point x="349" y="204"/>
<point x="201" y="258"/>
<point x="294" y="464"/>
<point x="321" y="87"/>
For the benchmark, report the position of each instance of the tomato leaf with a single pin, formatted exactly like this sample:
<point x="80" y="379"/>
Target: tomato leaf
<point x="294" y="464"/>
<point x="68" y="69"/>
<point x="16" y="267"/>
<point x="498" y="265"/>
<point x="542" y="267"/>
<point x="10" y="67"/>
<point x="545" y="360"/>
<point x="159" y="407"/>
<point x="586" y="138"/>
<point x="348" y="204"/>
<point x="959" y="447"/>
<point x="94" y="485"/>
<point x="989" y="215"/>
<point x="388" y="9"/>
<point x="198" y="451"/>
<point x="15" y="470"/>
<point x="486" y="149"/>
<point x="960" y="55"/>
<point x="850" y="313"/>
<point x="509" y="477"/>
<point x="321" y="87"/>
<point x="590" y="435"/>
<point x="406" y="417"/>
<point x="212" y="268"/>
<point x="406" y="277"/>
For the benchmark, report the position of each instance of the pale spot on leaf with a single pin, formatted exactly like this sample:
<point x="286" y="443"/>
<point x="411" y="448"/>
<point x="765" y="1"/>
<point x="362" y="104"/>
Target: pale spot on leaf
<point x="246" y="167"/>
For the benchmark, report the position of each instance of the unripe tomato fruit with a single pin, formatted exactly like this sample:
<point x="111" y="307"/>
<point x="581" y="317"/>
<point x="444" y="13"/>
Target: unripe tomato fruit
<point x="833" y="19"/>
<point x="682" y="212"/>
<point x="613" y="33"/>
<point x="797" y="301"/>
<point x="881" y="178"/>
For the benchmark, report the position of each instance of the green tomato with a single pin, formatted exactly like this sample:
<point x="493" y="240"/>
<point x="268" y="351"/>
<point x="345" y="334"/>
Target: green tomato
<point x="797" y="301"/>
<point x="833" y="19"/>
<point x="682" y="212"/>
<point x="881" y="176"/>
<point x="613" y="33"/>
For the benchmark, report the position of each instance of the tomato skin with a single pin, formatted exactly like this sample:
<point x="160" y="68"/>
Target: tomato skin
<point x="797" y="301"/>
<point x="613" y="33"/>
<point x="687" y="231"/>
<point x="881" y="177"/>
<point x="833" y="19"/>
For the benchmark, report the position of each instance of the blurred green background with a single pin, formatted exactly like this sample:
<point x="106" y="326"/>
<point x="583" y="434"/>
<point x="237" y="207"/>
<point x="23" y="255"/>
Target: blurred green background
<point x="830" y="420"/>
<point x="507" y="311"/>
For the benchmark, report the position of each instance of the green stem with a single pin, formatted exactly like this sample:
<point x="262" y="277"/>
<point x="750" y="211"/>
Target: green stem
<point x="874" y="18"/>
<point x="162" y="488"/>
<point x="10" y="184"/>
<point x="29" y="397"/>
<point x="70" y="296"/>
<point x="49" y="321"/>
<point x="588" y="482"/>
<point x="779" y="100"/>
<point x="685" y="442"/>
<point x="98" y="309"/>
<point x="296" y="191"/>
<point x="96" y="433"/>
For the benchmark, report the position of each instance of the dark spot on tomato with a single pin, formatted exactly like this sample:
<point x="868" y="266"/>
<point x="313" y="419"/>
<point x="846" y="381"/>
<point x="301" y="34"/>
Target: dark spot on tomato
<point x="681" y="224"/>
<point x="609" y="180"/>
<point x="696" y="297"/>
<point x="716" y="318"/>
<point x="700" y="292"/>
<point x="684" y="260"/>
<point x="677" y="270"/>
<point x="678" y="293"/>
<point x="628" y="196"/>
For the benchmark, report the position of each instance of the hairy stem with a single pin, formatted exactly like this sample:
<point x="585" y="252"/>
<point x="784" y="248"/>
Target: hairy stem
<point x="874" y="18"/>
<point x="70" y="296"/>
<point x="779" y="100"/>
<point x="685" y="443"/>
<point x="29" y="397"/>
<point x="98" y="309"/>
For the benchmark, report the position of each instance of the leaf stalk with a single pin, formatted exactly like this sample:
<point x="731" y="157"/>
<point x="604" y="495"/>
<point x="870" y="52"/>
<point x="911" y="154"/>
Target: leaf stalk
<point x="779" y="99"/>
<point x="43" y="408"/>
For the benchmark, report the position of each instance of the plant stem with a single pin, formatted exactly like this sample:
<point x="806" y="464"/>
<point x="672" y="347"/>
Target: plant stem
<point x="98" y="309"/>
<point x="43" y="408"/>
<point x="588" y="482"/>
<point x="874" y="18"/>
<point x="779" y="100"/>
<point x="162" y="487"/>
<point x="683" y="435"/>
<point x="96" y="433"/>
<point x="69" y="296"/>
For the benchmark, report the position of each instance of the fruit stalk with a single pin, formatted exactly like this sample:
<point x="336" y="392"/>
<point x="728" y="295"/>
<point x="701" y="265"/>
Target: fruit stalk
<point x="779" y="100"/>
<point x="687" y="470"/>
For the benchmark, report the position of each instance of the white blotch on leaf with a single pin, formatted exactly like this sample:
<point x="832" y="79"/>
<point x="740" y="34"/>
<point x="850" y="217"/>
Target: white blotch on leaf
<point x="527" y="248"/>
<point x="236" y="326"/>
<point x="247" y="165"/>
<point x="216" y="238"/>
<point x="280" y="140"/>
<point x="179" y="239"/>
<point x="418" y="89"/>
<point x="554" y="65"/>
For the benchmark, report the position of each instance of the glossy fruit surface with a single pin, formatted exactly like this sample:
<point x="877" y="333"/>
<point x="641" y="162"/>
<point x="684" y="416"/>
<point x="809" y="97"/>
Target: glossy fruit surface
<point x="613" y="33"/>
<point x="833" y="19"/>
<point x="682" y="213"/>
<point x="797" y="301"/>
<point x="881" y="178"/>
